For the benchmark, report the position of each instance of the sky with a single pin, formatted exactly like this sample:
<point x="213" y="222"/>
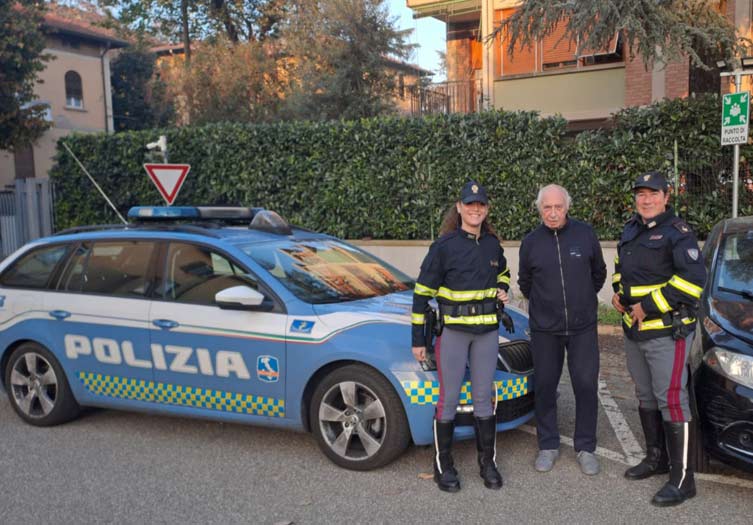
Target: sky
<point x="428" y="33"/>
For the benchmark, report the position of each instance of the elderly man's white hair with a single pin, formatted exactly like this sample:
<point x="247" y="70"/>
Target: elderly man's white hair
<point x="548" y="187"/>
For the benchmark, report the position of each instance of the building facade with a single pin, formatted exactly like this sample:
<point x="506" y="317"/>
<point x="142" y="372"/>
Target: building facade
<point x="549" y="77"/>
<point x="75" y="88"/>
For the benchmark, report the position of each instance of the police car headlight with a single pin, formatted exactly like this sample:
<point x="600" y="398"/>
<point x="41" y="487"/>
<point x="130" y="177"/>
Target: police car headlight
<point x="737" y="367"/>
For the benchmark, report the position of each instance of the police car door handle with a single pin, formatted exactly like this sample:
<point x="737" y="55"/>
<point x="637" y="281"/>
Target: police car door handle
<point x="60" y="314"/>
<point x="167" y="324"/>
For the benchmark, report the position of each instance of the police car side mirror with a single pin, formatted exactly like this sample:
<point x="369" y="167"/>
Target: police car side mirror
<point x="240" y="298"/>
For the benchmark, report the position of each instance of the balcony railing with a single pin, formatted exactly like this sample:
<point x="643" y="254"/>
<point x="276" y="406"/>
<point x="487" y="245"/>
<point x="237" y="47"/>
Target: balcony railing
<point x="459" y="96"/>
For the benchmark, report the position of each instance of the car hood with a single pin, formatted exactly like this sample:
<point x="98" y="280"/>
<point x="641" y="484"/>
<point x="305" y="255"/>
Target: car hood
<point x="392" y="307"/>
<point x="736" y="317"/>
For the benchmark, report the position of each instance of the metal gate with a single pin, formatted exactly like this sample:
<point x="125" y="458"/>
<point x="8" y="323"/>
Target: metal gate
<point x="25" y="213"/>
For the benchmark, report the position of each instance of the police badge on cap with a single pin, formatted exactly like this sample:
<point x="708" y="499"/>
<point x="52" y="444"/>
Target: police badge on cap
<point x="652" y="180"/>
<point x="473" y="192"/>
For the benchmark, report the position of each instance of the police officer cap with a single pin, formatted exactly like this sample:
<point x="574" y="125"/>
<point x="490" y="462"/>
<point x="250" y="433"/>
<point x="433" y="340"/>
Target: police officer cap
<point x="652" y="180"/>
<point x="473" y="192"/>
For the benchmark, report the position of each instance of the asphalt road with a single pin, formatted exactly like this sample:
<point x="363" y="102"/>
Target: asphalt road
<point x="116" y="467"/>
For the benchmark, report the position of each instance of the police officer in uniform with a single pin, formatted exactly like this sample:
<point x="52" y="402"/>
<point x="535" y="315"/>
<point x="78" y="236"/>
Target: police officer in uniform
<point x="658" y="280"/>
<point x="466" y="271"/>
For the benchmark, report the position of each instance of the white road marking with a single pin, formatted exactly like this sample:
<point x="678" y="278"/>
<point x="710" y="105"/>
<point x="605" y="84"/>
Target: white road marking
<point x="633" y="451"/>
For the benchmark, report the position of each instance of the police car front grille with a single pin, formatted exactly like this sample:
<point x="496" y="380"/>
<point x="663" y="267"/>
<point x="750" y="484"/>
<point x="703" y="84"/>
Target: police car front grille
<point x="515" y="357"/>
<point x="506" y="410"/>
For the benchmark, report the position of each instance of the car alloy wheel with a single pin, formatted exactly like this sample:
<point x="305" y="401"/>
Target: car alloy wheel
<point x="358" y="419"/>
<point x="352" y="420"/>
<point x="37" y="387"/>
<point x="34" y="385"/>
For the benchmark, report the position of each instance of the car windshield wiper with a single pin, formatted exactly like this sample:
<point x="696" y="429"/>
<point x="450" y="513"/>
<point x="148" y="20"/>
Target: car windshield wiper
<point x="744" y="293"/>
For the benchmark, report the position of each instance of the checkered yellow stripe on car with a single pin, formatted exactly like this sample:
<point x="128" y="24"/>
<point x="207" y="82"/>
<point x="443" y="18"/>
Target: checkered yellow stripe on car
<point x="141" y="390"/>
<point x="427" y="392"/>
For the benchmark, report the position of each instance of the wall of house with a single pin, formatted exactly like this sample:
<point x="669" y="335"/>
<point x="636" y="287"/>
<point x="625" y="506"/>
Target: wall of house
<point x="577" y="95"/>
<point x="83" y="58"/>
<point x="463" y="51"/>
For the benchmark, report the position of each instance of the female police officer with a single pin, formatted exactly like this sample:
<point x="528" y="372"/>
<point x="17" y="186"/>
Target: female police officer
<point x="466" y="271"/>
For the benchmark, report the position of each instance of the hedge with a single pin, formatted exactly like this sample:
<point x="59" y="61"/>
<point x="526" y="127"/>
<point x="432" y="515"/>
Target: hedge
<point x="392" y="178"/>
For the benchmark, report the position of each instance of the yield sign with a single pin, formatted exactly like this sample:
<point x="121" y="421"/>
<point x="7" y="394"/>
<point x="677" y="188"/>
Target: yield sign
<point x="168" y="178"/>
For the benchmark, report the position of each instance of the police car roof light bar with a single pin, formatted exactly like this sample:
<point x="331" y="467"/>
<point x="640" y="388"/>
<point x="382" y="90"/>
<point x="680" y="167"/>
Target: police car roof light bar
<point x="146" y="213"/>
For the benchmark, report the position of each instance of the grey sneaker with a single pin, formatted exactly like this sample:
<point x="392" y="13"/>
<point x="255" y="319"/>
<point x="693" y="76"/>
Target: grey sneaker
<point x="545" y="460"/>
<point x="589" y="463"/>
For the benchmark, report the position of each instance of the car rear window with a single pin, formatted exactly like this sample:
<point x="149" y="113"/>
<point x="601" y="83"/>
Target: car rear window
<point x="34" y="269"/>
<point x="327" y="270"/>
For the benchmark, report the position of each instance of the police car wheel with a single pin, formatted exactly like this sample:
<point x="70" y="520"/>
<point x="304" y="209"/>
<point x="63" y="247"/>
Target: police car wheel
<point x="37" y="387"/>
<point x="357" y="418"/>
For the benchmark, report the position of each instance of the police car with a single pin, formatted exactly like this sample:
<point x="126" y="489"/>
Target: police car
<point x="233" y="315"/>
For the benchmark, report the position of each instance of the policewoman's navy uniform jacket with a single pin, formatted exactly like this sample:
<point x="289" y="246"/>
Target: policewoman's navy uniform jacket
<point x="463" y="272"/>
<point x="561" y="271"/>
<point x="658" y="265"/>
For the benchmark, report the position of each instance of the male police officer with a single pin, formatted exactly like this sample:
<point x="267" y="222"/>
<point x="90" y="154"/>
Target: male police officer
<point x="561" y="271"/>
<point x="658" y="281"/>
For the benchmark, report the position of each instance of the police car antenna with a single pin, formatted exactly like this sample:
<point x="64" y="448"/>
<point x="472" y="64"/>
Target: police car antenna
<point x="95" y="184"/>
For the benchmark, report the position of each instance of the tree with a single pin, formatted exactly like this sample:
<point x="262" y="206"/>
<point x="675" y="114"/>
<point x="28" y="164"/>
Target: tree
<point x="22" y="44"/>
<point x="657" y="30"/>
<point x="337" y="51"/>
<point x="138" y="98"/>
<point x="226" y="82"/>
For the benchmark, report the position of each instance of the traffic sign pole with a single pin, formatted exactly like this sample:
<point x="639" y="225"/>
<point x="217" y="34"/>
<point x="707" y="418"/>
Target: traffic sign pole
<point x="735" y="114"/>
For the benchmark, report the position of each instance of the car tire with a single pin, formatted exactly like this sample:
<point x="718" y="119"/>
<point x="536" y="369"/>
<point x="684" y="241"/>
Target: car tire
<point x="357" y="418"/>
<point x="37" y="387"/>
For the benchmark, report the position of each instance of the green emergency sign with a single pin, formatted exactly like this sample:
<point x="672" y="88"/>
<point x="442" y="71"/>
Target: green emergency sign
<point x="735" y="111"/>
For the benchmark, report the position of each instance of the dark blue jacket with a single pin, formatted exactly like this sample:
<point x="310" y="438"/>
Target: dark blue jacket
<point x="560" y="274"/>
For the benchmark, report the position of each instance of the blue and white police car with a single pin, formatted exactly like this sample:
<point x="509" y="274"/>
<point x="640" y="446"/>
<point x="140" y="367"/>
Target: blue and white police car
<point x="230" y="314"/>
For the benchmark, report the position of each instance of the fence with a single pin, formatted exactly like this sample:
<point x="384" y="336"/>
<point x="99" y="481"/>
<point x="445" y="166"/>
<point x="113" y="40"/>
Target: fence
<point x="704" y="185"/>
<point x="25" y="213"/>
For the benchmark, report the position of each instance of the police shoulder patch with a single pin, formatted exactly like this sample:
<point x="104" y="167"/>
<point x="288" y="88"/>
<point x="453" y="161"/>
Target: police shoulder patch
<point x="681" y="226"/>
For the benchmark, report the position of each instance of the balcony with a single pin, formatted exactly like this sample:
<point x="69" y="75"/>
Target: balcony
<point x="459" y="96"/>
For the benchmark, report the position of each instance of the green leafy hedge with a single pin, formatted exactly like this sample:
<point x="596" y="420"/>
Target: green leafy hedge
<point x="391" y="178"/>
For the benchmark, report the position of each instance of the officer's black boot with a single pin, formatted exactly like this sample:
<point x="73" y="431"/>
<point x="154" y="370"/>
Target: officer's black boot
<point x="681" y="485"/>
<point x="656" y="460"/>
<point x="486" y="444"/>
<point x="445" y="475"/>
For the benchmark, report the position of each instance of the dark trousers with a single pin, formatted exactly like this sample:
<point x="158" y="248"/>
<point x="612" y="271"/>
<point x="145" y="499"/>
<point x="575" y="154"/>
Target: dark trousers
<point x="583" y="364"/>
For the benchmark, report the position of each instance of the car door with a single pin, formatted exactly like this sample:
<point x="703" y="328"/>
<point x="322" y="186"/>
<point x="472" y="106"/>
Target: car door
<point x="219" y="361"/>
<point x="101" y="312"/>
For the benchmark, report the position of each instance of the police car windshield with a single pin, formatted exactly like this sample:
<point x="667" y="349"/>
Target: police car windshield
<point x="327" y="271"/>
<point x="735" y="272"/>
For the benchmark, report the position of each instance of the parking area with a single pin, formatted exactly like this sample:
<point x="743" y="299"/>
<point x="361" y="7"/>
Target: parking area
<point x="117" y="467"/>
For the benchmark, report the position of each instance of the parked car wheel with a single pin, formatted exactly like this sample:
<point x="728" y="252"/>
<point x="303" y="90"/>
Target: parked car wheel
<point x="37" y="387"/>
<point x="358" y="419"/>
<point x="699" y="458"/>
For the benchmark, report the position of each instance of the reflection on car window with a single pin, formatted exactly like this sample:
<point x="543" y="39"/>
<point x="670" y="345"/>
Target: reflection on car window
<point x="33" y="269"/>
<point x="194" y="274"/>
<point x="117" y="268"/>
<point x="324" y="271"/>
<point x="736" y="265"/>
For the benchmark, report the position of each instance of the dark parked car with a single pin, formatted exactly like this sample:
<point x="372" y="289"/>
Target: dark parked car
<point x="723" y="350"/>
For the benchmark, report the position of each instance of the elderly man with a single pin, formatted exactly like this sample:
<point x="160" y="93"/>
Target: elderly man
<point x="561" y="271"/>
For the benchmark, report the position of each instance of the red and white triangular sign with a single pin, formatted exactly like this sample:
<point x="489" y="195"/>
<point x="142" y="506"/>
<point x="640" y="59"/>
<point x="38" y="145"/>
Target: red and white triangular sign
<point x="168" y="178"/>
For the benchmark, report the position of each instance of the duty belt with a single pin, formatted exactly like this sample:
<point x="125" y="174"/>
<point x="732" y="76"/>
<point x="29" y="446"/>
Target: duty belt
<point x="467" y="309"/>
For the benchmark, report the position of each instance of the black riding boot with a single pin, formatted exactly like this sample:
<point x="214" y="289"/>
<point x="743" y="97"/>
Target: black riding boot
<point x="445" y="475"/>
<point x="486" y="443"/>
<point x="681" y="485"/>
<point x="656" y="460"/>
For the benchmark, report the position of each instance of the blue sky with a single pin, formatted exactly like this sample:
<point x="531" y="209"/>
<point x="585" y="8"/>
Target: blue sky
<point x="428" y="33"/>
